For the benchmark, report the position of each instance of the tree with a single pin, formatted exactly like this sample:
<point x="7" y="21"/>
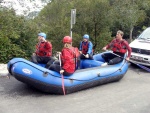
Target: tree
<point x="95" y="19"/>
<point x="92" y="17"/>
<point x="17" y="36"/>
<point x="127" y="14"/>
<point x="54" y="19"/>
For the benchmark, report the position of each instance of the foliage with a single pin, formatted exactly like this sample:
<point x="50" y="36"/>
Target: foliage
<point x="98" y="18"/>
<point x="9" y="50"/>
<point x="128" y="14"/>
<point x="91" y="19"/>
<point x="15" y="36"/>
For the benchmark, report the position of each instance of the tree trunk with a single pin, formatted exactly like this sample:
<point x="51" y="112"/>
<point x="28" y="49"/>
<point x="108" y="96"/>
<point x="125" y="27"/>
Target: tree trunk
<point x="95" y="42"/>
<point x="131" y="30"/>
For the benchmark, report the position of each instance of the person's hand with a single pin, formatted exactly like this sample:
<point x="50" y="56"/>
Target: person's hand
<point x="42" y="39"/>
<point x="33" y="54"/>
<point x="127" y="58"/>
<point x="80" y="52"/>
<point x="87" y="56"/>
<point x="58" y="53"/>
<point x="104" y="48"/>
<point x="61" y="71"/>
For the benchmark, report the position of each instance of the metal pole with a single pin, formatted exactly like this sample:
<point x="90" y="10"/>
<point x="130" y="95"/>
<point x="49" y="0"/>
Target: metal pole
<point x="73" y="20"/>
<point x="71" y="29"/>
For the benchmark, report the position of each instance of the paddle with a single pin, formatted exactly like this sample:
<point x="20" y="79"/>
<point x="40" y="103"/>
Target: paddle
<point x="141" y="66"/>
<point x="62" y="78"/>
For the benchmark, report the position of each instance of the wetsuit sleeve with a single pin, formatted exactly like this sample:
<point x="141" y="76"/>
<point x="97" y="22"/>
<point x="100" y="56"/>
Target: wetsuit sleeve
<point x="128" y="48"/>
<point x="80" y="46"/>
<point x="110" y="44"/>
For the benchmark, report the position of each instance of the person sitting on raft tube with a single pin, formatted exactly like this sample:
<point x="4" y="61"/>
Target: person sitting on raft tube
<point x="86" y="48"/>
<point x="68" y="57"/>
<point x="120" y="47"/>
<point x="43" y="50"/>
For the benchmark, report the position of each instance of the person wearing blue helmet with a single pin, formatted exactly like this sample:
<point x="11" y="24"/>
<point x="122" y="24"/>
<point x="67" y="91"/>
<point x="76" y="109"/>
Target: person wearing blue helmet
<point x="42" y="35"/>
<point x="86" y="48"/>
<point x="43" y="50"/>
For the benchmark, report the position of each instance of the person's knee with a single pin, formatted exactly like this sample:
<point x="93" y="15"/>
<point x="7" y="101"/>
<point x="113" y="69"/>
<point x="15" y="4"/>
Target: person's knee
<point x="115" y="61"/>
<point x="82" y="56"/>
<point x="52" y="67"/>
<point x="103" y="55"/>
<point x="91" y="57"/>
<point x="34" y="59"/>
<point x="111" y="62"/>
<point x="49" y="63"/>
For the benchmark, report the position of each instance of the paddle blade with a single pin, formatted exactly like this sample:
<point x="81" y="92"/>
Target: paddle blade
<point x="143" y="67"/>
<point x="63" y="86"/>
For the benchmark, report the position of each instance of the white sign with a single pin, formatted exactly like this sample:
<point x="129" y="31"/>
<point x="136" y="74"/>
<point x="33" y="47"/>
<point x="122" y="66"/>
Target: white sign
<point x="73" y="16"/>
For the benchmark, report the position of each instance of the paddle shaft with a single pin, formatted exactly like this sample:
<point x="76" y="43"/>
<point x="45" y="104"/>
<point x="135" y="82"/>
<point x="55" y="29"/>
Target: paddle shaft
<point x="141" y="66"/>
<point x="62" y="78"/>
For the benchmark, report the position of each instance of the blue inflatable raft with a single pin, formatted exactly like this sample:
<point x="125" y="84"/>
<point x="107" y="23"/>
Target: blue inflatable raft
<point x="89" y="75"/>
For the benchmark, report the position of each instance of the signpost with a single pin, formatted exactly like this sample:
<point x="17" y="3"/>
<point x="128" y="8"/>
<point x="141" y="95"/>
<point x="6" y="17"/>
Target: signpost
<point x="73" y="20"/>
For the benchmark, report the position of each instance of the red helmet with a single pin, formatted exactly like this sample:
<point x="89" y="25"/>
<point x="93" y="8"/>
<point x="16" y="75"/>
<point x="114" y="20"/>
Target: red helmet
<point x="67" y="39"/>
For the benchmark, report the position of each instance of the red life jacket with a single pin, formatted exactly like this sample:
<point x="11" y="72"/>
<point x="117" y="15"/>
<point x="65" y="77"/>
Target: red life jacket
<point x="68" y="57"/>
<point x="118" y="46"/>
<point x="44" y="49"/>
<point x="85" y="46"/>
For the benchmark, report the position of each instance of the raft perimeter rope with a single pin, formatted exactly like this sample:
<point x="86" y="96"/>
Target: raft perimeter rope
<point x="79" y="79"/>
<point x="62" y="77"/>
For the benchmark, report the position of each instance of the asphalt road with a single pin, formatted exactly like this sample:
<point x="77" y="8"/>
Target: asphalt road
<point x="130" y="95"/>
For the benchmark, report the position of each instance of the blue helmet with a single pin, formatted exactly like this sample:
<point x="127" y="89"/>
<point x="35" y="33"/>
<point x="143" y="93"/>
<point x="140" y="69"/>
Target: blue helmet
<point x="86" y="36"/>
<point x="42" y="34"/>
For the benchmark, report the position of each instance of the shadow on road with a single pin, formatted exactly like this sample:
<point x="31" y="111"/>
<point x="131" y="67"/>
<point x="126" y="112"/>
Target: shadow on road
<point x="14" y="88"/>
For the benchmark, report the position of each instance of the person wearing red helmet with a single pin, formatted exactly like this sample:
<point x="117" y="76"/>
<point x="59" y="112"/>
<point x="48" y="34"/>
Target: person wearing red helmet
<point x="43" y="50"/>
<point x="68" y="57"/>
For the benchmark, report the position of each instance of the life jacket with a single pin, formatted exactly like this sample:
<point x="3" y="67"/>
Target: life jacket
<point x="85" y="46"/>
<point x="44" y="49"/>
<point x="118" y="46"/>
<point x="72" y="61"/>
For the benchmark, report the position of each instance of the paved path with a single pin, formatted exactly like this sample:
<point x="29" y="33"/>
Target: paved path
<point x="129" y="95"/>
